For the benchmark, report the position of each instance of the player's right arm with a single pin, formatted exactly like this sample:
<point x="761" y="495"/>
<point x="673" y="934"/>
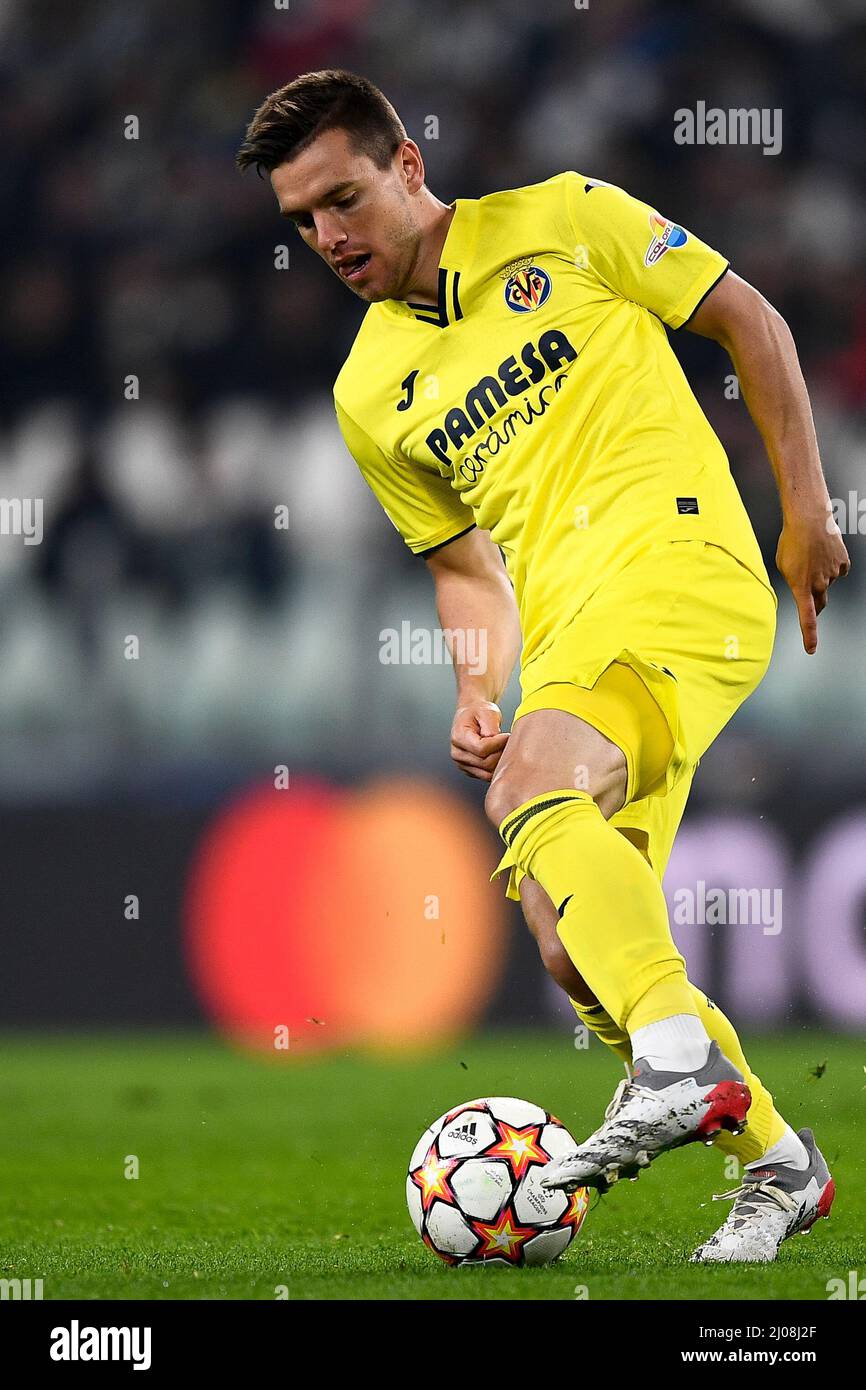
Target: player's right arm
<point x="474" y="597"/>
<point x="478" y="613"/>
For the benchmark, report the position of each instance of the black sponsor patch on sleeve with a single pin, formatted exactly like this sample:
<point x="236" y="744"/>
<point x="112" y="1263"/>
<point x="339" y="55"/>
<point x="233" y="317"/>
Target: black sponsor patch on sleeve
<point x="687" y="506"/>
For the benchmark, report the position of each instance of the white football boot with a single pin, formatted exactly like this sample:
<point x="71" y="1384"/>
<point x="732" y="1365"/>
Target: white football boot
<point x="770" y="1205"/>
<point x="651" y="1112"/>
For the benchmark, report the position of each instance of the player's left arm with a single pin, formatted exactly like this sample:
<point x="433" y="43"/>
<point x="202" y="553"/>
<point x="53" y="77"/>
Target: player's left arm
<point x="811" y="554"/>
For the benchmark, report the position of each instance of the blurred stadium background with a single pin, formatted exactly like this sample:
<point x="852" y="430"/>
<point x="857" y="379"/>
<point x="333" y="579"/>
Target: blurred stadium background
<point x="167" y="392"/>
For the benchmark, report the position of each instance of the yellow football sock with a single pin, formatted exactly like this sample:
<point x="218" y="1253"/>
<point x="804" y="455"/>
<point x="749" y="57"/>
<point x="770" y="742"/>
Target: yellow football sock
<point x="613" y="919"/>
<point x="764" y="1125"/>
<point x="599" y="1021"/>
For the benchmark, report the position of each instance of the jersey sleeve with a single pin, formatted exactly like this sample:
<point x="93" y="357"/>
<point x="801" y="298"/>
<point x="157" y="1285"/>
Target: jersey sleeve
<point x="639" y="254"/>
<point x="420" y="503"/>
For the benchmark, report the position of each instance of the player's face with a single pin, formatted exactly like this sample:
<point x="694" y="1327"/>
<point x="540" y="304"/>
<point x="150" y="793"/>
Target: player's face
<point x="359" y="218"/>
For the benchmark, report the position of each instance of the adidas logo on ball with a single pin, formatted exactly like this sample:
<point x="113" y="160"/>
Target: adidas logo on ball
<point x="465" y="1132"/>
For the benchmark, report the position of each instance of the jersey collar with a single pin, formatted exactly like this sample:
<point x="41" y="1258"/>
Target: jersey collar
<point x="454" y="260"/>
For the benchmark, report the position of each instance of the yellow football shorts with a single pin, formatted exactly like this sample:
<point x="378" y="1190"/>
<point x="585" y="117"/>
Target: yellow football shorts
<point x="658" y="659"/>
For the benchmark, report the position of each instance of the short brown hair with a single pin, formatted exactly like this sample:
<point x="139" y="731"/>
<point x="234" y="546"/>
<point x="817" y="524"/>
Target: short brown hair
<point x="290" y="119"/>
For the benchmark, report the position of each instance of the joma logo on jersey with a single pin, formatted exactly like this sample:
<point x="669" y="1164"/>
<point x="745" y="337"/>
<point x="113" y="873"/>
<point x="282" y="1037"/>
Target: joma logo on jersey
<point x="492" y="392"/>
<point x="527" y="289"/>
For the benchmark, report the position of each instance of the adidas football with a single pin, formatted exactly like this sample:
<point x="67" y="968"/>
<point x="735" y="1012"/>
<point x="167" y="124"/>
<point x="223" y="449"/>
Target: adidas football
<point x="473" y="1186"/>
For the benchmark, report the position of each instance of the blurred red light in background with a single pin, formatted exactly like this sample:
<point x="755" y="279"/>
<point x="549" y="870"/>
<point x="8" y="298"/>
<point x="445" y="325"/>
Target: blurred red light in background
<point x="361" y="916"/>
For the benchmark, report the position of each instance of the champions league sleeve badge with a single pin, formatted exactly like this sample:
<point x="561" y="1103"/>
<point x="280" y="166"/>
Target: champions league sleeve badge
<point x="667" y="236"/>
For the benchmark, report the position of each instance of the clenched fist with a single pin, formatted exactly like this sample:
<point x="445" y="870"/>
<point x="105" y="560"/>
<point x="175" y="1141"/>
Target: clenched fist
<point x="476" y="741"/>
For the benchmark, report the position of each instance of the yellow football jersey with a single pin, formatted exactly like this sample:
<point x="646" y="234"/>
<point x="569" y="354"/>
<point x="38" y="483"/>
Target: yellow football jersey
<point x="541" y="399"/>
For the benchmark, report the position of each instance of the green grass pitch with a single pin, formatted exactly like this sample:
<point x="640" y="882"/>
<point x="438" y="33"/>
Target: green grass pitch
<point x="256" y="1173"/>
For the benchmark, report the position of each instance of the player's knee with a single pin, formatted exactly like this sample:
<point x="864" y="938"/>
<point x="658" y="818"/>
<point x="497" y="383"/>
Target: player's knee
<point x="512" y="789"/>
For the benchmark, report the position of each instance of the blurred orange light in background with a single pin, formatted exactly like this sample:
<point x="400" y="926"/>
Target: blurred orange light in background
<point x="361" y="916"/>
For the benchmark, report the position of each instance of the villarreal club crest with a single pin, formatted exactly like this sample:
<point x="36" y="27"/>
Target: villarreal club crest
<point x="527" y="289"/>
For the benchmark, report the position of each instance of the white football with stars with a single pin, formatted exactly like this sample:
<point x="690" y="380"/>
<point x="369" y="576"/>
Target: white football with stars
<point x="473" y="1185"/>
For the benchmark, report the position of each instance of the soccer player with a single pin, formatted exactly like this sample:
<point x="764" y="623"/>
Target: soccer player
<point x="512" y="393"/>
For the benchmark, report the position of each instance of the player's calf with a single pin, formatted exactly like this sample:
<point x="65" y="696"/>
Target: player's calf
<point x="541" y="918"/>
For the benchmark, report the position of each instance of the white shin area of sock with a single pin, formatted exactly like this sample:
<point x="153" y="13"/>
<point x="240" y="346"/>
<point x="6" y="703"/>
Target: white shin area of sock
<point x="678" y="1043"/>
<point x="789" y="1151"/>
